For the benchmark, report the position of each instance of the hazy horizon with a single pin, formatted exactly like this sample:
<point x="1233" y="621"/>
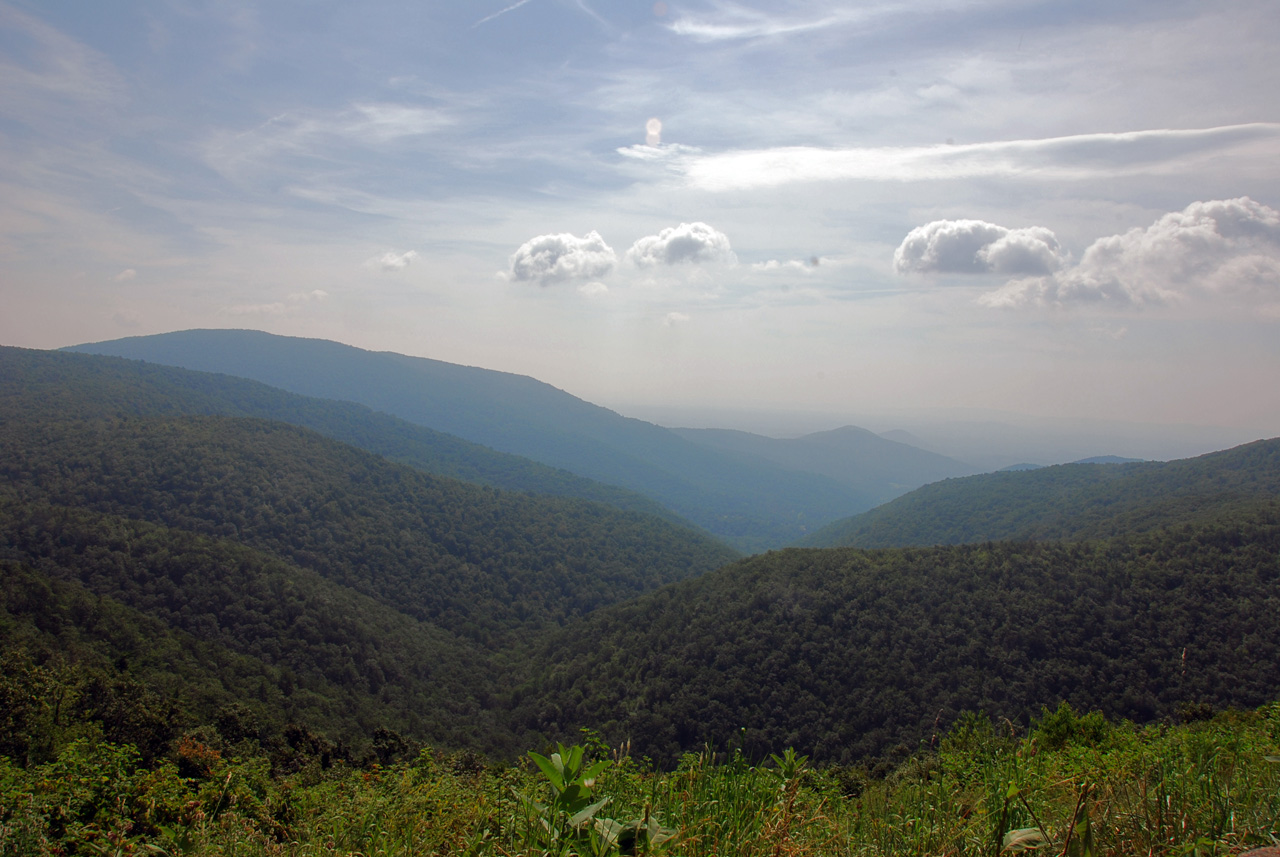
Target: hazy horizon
<point x="987" y="439"/>
<point x="787" y="212"/>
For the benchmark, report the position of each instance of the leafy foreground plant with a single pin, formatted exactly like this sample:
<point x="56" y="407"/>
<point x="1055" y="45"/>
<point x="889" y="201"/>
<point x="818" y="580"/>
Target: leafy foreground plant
<point x="1071" y="785"/>
<point x="567" y="823"/>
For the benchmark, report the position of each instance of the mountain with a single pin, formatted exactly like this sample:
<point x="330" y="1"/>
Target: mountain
<point x="57" y="385"/>
<point x="167" y="573"/>
<point x="847" y="653"/>
<point x="476" y="561"/>
<point x="875" y="468"/>
<point x="751" y="504"/>
<point x="1106" y="459"/>
<point x="1067" y="501"/>
<point x="161" y="620"/>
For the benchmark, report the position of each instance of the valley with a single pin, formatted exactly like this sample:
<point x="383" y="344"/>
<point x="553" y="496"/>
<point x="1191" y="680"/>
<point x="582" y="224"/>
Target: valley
<point x="197" y="559"/>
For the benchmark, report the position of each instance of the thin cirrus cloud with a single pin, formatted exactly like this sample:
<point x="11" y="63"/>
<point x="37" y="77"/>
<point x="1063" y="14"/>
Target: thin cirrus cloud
<point x="305" y="134"/>
<point x="687" y="243"/>
<point x="738" y="22"/>
<point x="295" y="301"/>
<point x="549" y="259"/>
<point x="978" y="247"/>
<point x="1224" y="249"/>
<point x="1075" y="157"/>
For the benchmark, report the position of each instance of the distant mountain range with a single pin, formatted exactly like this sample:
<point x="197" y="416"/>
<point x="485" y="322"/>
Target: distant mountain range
<point x="751" y="492"/>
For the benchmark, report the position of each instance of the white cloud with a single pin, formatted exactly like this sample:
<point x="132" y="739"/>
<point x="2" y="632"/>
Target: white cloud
<point x="392" y="261"/>
<point x="385" y="122"/>
<point x="125" y="275"/>
<point x="804" y="265"/>
<point x="658" y="151"/>
<point x="308" y="297"/>
<point x="978" y="247"/>
<point x="1225" y="249"/>
<point x="1075" y="157"/>
<point x="593" y="289"/>
<point x="739" y="22"/>
<point x="688" y="242"/>
<point x="550" y="259"/>
<point x="674" y="318"/>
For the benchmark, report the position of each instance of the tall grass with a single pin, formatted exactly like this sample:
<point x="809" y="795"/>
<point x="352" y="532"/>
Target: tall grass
<point x="1071" y="785"/>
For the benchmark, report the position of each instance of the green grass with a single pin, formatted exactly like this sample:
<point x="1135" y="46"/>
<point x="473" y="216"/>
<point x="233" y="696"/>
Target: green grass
<point x="1071" y="785"/>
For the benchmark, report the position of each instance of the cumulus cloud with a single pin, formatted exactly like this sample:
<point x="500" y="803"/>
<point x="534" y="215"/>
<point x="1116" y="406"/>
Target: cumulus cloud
<point x="593" y="289"/>
<point x="688" y="242"/>
<point x="978" y="247"/>
<point x="1228" y="249"/>
<point x="551" y="259"/>
<point x="125" y="275"/>
<point x="392" y="261"/>
<point x="674" y="318"/>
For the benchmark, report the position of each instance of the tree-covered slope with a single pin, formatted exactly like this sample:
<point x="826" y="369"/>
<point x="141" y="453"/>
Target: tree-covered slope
<point x="753" y="504"/>
<point x="1067" y="501"/>
<point x="59" y="385"/>
<point x="846" y="652"/>
<point x="200" y="623"/>
<point x="470" y="559"/>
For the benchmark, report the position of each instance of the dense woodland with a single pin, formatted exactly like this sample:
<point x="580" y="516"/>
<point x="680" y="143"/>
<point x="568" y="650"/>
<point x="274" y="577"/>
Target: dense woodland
<point x="1068" y="501"/>
<point x="847" y="653"/>
<point x="63" y="385"/>
<point x="190" y="590"/>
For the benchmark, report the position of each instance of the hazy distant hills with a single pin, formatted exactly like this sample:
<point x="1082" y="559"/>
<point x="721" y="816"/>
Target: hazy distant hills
<point x="58" y="384"/>
<point x="1066" y="501"/>
<point x="752" y="502"/>
<point x="878" y="469"/>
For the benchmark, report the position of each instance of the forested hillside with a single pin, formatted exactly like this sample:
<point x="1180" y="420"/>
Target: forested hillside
<point x="63" y="385"/>
<point x="157" y="630"/>
<point x="846" y="652"/>
<point x="160" y="561"/>
<point x="1068" y="501"/>
<point x="470" y="559"/>
<point x="752" y="503"/>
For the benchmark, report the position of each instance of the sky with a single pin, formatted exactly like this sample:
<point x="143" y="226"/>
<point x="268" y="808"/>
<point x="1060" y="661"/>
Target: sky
<point x="1069" y="210"/>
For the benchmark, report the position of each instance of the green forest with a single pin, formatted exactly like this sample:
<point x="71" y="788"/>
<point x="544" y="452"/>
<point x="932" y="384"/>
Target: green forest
<point x="234" y="620"/>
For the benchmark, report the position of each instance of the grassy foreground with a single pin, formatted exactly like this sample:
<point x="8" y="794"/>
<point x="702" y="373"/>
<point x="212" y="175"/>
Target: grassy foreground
<point x="1070" y="785"/>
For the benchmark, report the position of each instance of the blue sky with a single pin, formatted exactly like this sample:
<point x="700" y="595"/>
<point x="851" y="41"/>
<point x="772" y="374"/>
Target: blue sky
<point x="1063" y="209"/>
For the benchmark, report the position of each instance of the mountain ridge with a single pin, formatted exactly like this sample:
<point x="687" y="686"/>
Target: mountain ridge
<point x="1065" y="501"/>
<point x="753" y="505"/>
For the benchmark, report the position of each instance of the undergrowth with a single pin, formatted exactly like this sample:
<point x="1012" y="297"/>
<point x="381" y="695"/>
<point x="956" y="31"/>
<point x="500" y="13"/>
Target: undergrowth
<point x="1070" y="785"/>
